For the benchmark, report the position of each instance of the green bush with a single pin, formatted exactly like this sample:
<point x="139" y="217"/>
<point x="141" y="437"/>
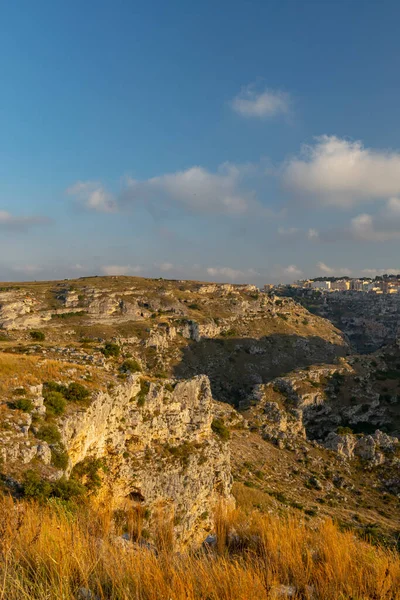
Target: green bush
<point x="49" y="433"/>
<point x="52" y="386"/>
<point x="33" y="486"/>
<point x="111" y="349"/>
<point x="59" y="458"/>
<point x="38" y="336"/>
<point x="55" y="403"/>
<point x="130" y="365"/>
<point x="219" y="428"/>
<point x="76" y="392"/>
<point x="20" y="391"/>
<point x="144" y="389"/>
<point x="23" y="404"/>
<point x="89" y="470"/>
<point x="66" y="489"/>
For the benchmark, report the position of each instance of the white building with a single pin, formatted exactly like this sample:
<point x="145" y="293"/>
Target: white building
<point x="321" y="285"/>
<point x="340" y="285"/>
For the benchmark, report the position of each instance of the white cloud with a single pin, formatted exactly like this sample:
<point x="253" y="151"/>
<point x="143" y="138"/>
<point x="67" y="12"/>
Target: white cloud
<point x="92" y="196"/>
<point x="284" y="274"/>
<point x="13" y="222"/>
<point x="292" y="270"/>
<point x="196" y="190"/>
<point x="261" y="104"/>
<point x="313" y="234"/>
<point x="121" y="270"/>
<point x="28" y="269"/>
<point x="232" y="274"/>
<point x="375" y="272"/>
<point x="381" y="227"/>
<point x="166" y="266"/>
<point x="325" y="270"/>
<point x="341" y="173"/>
<point x="294" y="233"/>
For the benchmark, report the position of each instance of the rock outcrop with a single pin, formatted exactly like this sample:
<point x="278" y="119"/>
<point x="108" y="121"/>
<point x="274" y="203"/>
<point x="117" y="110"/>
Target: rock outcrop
<point x="158" y="446"/>
<point x="372" y="449"/>
<point x="155" y="444"/>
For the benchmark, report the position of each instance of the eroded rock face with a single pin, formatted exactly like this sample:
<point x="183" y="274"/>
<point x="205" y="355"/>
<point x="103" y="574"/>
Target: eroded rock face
<point x="158" y="448"/>
<point x="282" y="425"/>
<point x="373" y="449"/>
<point x="368" y="320"/>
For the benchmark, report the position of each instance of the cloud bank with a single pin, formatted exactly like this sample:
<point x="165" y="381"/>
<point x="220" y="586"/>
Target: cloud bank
<point x="342" y="173"/>
<point x="15" y="223"/>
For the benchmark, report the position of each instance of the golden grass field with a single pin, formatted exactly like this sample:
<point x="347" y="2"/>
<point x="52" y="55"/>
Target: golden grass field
<point x="49" y="552"/>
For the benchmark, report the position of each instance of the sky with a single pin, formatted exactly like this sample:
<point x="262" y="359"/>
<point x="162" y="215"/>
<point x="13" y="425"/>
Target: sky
<point x="245" y="141"/>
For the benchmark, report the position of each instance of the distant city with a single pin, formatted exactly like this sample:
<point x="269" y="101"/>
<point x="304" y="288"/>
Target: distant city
<point x="385" y="284"/>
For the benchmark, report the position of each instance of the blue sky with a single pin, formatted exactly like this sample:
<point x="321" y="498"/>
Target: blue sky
<point x="234" y="141"/>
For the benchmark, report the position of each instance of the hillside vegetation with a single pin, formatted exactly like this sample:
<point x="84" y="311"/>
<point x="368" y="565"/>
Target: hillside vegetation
<point x="55" y="551"/>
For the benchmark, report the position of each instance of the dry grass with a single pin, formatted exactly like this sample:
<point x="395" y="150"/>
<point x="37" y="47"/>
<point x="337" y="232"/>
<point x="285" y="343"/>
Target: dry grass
<point x="49" y="553"/>
<point x="21" y="371"/>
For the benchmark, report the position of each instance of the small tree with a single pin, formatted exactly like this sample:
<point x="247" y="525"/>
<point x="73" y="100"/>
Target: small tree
<point x="55" y="403"/>
<point x="23" y="404"/>
<point x="38" y="336"/>
<point x="76" y="392"/>
<point x="111" y="350"/>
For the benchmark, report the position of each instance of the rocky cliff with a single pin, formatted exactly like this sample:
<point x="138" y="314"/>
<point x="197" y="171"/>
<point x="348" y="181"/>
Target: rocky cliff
<point x="156" y="441"/>
<point x="368" y="320"/>
<point x="150" y="443"/>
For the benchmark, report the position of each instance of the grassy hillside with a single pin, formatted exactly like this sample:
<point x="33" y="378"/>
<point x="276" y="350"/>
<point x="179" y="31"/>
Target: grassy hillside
<point x="60" y="551"/>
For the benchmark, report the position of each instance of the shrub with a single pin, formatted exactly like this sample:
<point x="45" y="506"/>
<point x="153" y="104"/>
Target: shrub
<point x="305" y="321"/>
<point x="23" y="404"/>
<point x="111" y="349"/>
<point x="144" y="389"/>
<point x="130" y="365"/>
<point x="55" y="403"/>
<point x="88" y="469"/>
<point x="194" y="306"/>
<point x="33" y="486"/>
<point x="38" y="336"/>
<point x="66" y="489"/>
<point x="229" y="333"/>
<point x="76" y="392"/>
<point x="220" y="429"/>
<point x="20" y="391"/>
<point x="182" y="452"/>
<point x="49" y="433"/>
<point x="59" y="458"/>
<point x="344" y="430"/>
<point x="52" y="386"/>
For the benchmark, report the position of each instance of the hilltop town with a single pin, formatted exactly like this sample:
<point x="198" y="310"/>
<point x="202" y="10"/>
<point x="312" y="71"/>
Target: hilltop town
<point x="385" y="284"/>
